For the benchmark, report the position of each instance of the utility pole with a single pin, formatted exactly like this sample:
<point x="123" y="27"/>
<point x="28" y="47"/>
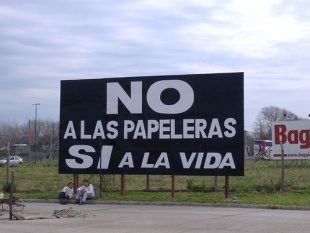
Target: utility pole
<point x="8" y="163"/>
<point x="29" y="141"/>
<point x="35" y="133"/>
<point x="8" y="149"/>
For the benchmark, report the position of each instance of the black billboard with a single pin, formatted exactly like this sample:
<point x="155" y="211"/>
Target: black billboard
<point x="157" y="125"/>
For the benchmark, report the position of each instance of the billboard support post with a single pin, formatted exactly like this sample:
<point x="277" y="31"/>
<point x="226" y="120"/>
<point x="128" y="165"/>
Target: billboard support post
<point x="173" y="186"/>
<point x="226" y="186"/>
<point x="282" y="166"/>
<point x="122" y="185"/>
<point x="75" y="182"/>
<point x="147" y="183"/>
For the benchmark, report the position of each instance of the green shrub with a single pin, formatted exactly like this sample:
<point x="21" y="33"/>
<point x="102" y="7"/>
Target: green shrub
<point x="7" y="188"/>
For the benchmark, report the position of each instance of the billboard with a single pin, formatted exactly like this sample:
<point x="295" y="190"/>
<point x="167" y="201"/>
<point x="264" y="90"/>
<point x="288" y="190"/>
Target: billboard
<point x="157" y="125"/>
<point x="295" y="137"/>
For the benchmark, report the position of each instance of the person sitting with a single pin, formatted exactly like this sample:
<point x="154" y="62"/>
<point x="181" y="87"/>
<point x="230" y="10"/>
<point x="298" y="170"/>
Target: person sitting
<point x="66" y="193"/>
<point x="84" y="192"/>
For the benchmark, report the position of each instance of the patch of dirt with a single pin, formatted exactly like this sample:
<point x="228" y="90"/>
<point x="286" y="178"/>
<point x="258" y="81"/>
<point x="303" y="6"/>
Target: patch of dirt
<point x="68" y="213"/>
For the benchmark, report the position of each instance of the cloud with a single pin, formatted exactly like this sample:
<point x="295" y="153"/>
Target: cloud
<point x="43" y="42"/>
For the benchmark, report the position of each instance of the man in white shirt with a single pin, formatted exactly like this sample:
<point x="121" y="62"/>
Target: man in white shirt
<point x="84" y="192"/>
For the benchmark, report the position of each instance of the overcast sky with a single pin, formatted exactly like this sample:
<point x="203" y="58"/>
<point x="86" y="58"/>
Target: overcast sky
<point x="43" y="42"/>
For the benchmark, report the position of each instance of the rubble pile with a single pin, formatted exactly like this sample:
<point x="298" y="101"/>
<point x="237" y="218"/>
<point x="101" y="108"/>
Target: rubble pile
<point x="68" y="213"/>
<point x="232" y="200"/>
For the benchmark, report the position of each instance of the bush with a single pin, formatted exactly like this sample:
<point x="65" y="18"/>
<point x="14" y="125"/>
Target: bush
<point x="7" y="188"/>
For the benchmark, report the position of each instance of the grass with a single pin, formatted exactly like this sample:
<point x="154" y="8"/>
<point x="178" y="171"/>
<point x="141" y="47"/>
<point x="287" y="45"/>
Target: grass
<point x="260" y="185"/>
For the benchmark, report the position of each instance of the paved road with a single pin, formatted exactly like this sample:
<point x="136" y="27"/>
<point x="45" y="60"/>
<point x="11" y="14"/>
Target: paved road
<point x="156" y="218"/>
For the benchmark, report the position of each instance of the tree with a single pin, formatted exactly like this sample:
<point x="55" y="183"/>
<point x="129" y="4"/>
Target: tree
<point x="47" y="134"/>
<point x="10" y="132"/>
<point x="262" y="125"/>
